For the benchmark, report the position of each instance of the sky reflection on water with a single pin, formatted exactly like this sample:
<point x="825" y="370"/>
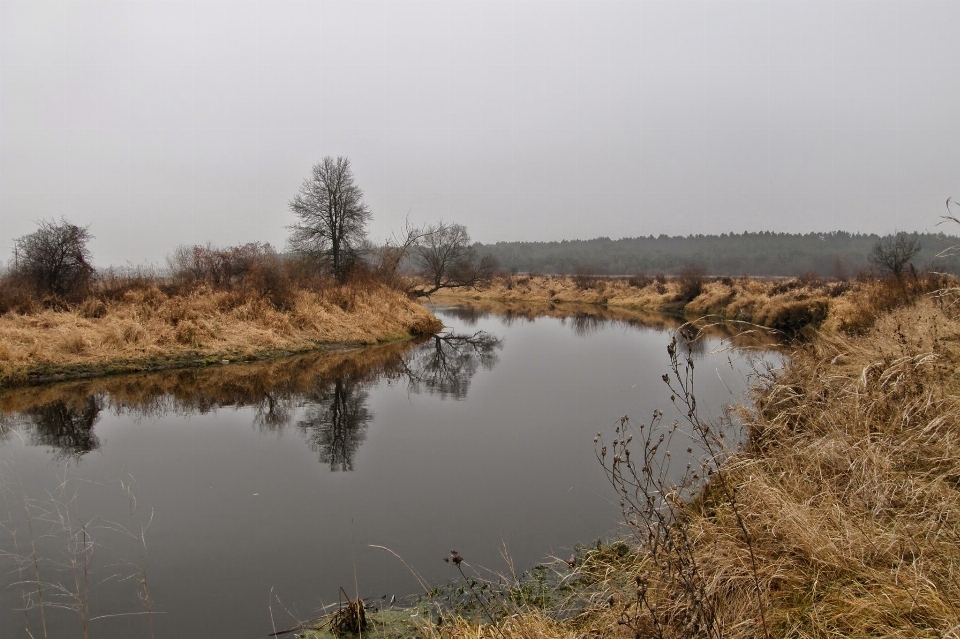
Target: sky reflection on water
<point x="282" y="474"/>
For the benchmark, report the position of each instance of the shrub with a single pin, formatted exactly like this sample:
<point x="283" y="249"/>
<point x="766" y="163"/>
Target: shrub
<point x="16" y="296"/>
<point x="582" y="278"/>
<point x="639" y="281"/>
<point x="690" y="283"/>
<point x="220" y="268"/>
<point x="785" y="287"/>
<point x="793" y="317"/>
<point x="54" y="260"/>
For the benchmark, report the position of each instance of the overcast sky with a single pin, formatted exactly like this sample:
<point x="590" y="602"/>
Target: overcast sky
<point x="161" y="123"/>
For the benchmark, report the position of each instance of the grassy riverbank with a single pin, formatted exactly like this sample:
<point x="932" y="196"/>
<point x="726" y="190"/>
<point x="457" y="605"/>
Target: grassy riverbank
<point x="839" y="518"/>
<point x="786" y="305"/>
<point x="146" y="328"/>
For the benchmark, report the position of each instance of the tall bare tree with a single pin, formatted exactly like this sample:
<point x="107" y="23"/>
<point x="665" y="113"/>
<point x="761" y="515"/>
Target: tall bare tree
<point x="55" y="258"/>
<point x="331" y="215"/>
<point x="445" y="258"/>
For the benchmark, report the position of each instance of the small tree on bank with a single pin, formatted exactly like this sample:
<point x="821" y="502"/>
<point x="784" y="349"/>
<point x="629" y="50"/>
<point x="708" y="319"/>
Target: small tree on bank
<point x="445" y="259"/>
<point x="55" y="259"/>
<point x="332" y="217"/>
<point x="892" y="254"/>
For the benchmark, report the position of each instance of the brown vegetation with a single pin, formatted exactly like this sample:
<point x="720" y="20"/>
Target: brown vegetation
<point x="838" y="518"/>
<point x="150" y="323"/>
<point x="786" y="305"/>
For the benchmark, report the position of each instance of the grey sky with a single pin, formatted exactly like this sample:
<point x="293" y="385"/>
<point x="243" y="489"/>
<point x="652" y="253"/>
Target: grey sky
<point x="171" y="122"/>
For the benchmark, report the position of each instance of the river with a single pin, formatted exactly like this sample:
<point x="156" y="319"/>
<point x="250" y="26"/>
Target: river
<point x="215" y="497"/>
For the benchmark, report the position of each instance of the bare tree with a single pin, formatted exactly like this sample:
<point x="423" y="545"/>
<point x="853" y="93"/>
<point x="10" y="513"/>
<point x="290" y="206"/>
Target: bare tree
<point x="446" y="259"/>
<point x="892" y="254"/>
<point x="332" y="215"/>
<point x="55" y="259"/>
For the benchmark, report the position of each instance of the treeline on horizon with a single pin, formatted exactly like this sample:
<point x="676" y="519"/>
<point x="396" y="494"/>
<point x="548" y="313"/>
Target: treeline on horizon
<point x="837" y="254"/>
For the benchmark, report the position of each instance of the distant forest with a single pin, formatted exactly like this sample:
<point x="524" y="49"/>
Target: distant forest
<point x="838" y="254"/>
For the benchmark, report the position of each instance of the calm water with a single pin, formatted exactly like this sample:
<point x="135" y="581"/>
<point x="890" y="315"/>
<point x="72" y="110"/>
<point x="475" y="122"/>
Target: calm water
<point x="278" y="477"/>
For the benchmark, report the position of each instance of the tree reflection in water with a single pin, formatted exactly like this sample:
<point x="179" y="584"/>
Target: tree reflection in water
<point x="67" y="428"/>
<point x="325" y="395"/>
<point x="274" y="411"/>
<point x="446" y="363"/>
<point x="336" y="422"/>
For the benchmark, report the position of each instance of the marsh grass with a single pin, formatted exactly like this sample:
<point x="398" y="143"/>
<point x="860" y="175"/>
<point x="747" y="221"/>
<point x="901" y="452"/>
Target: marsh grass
<point x="790" y="306"/>
<point x="152" y="327"/>
<point x="838" y="517"/>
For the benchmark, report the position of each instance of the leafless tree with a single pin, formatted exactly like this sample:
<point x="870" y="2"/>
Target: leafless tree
<point x="892" y="254"/>
<point x="332" y="215"/>
<point x="445" y="258"/>
<point x="55" y="258"/>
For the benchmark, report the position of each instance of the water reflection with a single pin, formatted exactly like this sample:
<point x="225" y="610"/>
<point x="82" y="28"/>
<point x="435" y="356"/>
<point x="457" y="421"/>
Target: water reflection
<point x="325" y="395"/>
<point x="446" y="364"/>
<point x="336" y="423"/>
<point x="511" y="464"/>
<point x="68" y="428"/>
<point x="584" y="324"/>
<point x="589" y="319"/>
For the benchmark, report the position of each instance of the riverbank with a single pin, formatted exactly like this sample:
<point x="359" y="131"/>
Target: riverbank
<point x="838" y="518"/>
<point x="785" y="305"/>
<point x="147" y="329"/>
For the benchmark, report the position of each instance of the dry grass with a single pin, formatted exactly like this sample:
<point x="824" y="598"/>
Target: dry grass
<point x="850" y="491"/>
<point x="784" y="305"/>
<point x="146" y="325"/>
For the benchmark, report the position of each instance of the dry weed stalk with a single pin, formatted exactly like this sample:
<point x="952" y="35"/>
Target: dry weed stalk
<point x="59" y="571"/>
<point x="673" y="596"/>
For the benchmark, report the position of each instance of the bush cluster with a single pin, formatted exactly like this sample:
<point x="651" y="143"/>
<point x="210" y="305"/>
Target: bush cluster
<point x="254" y="270"/>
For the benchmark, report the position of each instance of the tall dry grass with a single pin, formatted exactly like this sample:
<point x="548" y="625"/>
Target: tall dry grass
<point x="849" y="493"/>
<point x="788" y="306"/>
<point x="146" y="327"/>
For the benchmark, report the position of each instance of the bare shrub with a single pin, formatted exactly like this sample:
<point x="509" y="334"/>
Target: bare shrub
<point x="810" y="279"/>
<point x="16" y="295"/>
<point x="674" y="596"/>
<point x="839" y="288"/>
<point x="583" y="278"/>
<point x="785" y="286"/>
<point x="55" y="259"/>
<point x="640" y="280"/>
<point x="661" y="283"/>
<point x="793" y="317"/>
<point x="220" y="268"/>
<point x="690" y="282"/>
<point x="113" y="283"/>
